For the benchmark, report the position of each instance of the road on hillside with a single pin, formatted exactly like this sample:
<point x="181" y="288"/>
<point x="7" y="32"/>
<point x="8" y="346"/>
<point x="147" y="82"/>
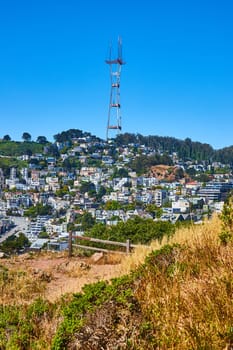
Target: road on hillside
<point x="21" y="225"/>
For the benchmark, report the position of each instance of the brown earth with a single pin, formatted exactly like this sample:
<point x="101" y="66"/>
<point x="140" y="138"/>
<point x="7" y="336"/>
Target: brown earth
<point x="164" y="172"/>
<point x="61" y="274"/>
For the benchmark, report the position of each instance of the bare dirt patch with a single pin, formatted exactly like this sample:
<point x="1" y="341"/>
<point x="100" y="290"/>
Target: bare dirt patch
<point x="61" y="274"/>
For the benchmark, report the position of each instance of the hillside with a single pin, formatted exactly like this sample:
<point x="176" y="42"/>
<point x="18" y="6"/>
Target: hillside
<point x="166" y="173"/>
<point x="175" y="297"/>
<point x="14" y="149"/>
<point x="185" y="149"/>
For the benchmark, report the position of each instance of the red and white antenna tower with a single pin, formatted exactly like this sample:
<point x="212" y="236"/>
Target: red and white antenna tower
<point x="114" y="111"/>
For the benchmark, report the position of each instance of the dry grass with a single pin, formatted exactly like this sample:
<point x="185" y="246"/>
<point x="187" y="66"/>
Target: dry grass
<point x="20" y="273"/>
<point x="188" y="300"/>
<point x="18" y="287"/>
<point x="193" y="235"/>
<point x="185" y="295"/>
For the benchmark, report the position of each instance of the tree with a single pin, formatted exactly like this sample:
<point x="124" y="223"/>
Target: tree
<point x="138" y="230"/>
<point x="53" y="150"/>
<point x="38" y="209"/>
<point x="33" y="160"/>
<point x="15" y="243"/>
<point x="122" y="172"/>
<point x="101" y="192"/>
<point x="67" y="164"/>
<point x="68" y="135"/>
<point x="203" y="177"/>
<point x="26" y="137"/>
<point x="86" y="186"/>
<point x="87" y="221"/>
<point x="28" y="151"/>
<point x="42" y="140"/>
<point x="62" y="191"/>
<point x="154" y="210"/>
<point x="186" y="149"/>
<point x="6" y="138"/>
<point x="191" y="172"/>
<point x="43" y="233"/>
<point x="179" y="173"/>
<point x="92" y="193"/>
<point x="112" y="205"/>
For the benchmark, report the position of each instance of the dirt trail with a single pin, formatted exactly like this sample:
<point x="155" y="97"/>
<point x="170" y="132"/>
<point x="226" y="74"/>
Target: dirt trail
<point x="67" y="284"/>
<point x="63" y="275"/>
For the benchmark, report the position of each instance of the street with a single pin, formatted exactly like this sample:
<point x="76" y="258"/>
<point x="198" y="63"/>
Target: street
<point x="21" y="226"/>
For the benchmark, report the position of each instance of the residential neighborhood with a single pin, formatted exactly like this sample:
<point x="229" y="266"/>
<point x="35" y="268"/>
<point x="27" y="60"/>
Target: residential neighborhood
<point x="89" y="175"/>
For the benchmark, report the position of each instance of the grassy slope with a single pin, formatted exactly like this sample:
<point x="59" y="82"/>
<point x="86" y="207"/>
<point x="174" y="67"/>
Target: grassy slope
<point x="9" y="150"/>
<point x="178" y="297"/>
<point x="16" y="148"/>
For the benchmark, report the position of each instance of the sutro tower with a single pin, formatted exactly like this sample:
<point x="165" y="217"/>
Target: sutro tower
<point x="114" y="111"/>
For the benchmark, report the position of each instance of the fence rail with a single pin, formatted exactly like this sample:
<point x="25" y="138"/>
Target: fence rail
<point x="128" y="246"/>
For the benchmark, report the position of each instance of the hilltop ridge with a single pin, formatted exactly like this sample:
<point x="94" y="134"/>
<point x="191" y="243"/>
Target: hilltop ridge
<point x="185" y="149"/>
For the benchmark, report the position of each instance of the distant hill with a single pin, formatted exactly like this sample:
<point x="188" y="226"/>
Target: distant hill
<point x="185" y="149"/>
<point x="17" y="148"/>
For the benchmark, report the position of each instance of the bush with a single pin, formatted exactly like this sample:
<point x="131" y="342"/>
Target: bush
<point x="227" y="221"/>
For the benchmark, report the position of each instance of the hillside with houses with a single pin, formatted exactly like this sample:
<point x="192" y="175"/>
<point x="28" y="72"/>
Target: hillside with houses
<point x="80" y="181"/>
<point x="171" y="288"/>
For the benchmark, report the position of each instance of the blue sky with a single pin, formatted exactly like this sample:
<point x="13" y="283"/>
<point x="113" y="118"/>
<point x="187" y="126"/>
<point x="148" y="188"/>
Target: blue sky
<point x="178" y="80"/>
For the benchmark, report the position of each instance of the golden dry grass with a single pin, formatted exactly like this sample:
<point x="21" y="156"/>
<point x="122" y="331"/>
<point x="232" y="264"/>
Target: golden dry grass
<point x="18" y="287"/>
<point x="188" y="302"/>
<point x="193" y="235"/>
<point x="20" y="273"/>
<point x="185" y="300"/>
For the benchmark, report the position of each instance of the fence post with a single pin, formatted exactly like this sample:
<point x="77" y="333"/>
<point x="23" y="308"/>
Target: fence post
<point x="127" y="246"/>
<point x="70" y="245"/>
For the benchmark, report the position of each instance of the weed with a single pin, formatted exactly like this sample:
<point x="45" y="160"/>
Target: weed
<point x="225" y="237"/>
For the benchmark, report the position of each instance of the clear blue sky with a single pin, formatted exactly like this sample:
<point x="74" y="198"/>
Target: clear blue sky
<point x="178" y="80"/>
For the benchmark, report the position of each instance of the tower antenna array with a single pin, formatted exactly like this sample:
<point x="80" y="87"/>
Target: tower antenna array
<point x="114" y="110"/>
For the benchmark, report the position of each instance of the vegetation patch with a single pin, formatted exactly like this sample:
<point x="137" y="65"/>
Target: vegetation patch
<point x="14" y="148"/>
<point x="94" y="297"/>
<point x="24" y="327"/>
<point x="180" y="297"/>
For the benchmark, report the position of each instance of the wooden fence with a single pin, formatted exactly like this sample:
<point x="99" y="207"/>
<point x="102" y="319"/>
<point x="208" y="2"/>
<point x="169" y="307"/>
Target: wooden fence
<point x="128" y="246"/>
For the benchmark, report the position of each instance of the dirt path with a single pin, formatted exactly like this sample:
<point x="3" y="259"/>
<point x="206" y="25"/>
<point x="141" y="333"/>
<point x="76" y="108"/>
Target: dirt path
<point x="63" y="275"/>
<point x="62" y="284"/>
